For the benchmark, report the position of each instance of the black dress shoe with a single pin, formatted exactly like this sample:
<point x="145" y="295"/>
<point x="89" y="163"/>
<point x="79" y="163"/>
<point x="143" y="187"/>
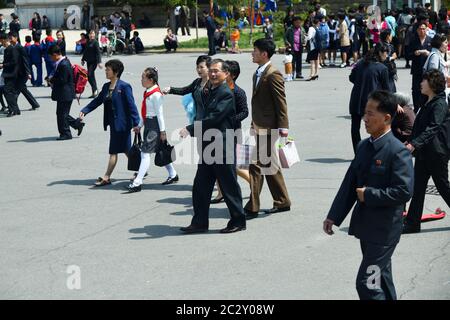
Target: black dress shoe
<point x="407" y="228"/>
<point x="250" y="214"/>
<point x="194" y="229"/>
<point x="80" y="128"/>
<point x="171" y="180"/>
<point x="232" y="229"/>
<point x="132" y="188"/>
<point x="217" y="200"/>
<point x="275" y="210"/>
<point x="62" y="138"/>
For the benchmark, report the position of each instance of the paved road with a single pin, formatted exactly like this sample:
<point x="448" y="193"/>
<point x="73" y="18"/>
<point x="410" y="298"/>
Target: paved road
<point x="128" y="246"/>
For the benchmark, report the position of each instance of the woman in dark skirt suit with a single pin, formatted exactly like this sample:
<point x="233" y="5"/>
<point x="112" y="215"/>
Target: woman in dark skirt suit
<point x="120" y="114"/>
<point x="92" y="55"/>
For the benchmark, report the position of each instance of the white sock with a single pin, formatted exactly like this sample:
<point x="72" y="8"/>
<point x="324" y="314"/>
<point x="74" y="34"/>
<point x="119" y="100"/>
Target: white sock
<point x="143" y="168"/>
<point x="171" y="170"/>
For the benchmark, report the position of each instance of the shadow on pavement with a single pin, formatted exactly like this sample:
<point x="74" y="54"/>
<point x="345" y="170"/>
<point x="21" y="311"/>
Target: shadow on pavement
<point x="344" y="117"/>
<point x="187" y="202"/>
<point x="34" y="140"/>
<point x="435" y="230"/>
<point x="329" y="160"/>
<point x="161" y="231"/>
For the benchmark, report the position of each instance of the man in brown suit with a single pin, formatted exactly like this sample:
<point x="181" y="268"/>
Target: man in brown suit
<point x="269" y="121"/>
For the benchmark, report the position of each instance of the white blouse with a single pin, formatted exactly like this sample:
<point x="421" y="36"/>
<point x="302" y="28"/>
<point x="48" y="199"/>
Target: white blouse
<point x="154" y="105"/>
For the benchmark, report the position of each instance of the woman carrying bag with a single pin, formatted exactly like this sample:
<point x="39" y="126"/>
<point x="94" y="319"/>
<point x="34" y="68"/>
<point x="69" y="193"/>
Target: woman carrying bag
<point x="120" y="114"/>
<point x="154" y="129"/>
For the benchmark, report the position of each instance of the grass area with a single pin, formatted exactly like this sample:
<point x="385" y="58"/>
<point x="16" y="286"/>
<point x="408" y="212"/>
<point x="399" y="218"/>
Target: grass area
<point x="244" y="42"/>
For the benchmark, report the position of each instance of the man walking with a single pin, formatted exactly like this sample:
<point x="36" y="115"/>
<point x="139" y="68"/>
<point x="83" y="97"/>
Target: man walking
<point x="10" y="73"/>
<point x="380" y="181"/>
<point x="269" y="120"/>
<point x="63" y="92"/>
<point x="185" y="18"/>
<point x="215" y="112"/>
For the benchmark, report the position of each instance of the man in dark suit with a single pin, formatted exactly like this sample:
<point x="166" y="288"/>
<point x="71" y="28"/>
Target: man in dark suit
<point x="24" y="71"/>
<point x="210" y="28"/>
<point x="269" y="121"/>
<point x="380" y="181"/>
<point x="63" y="92"/>
<point x="11" y="69"/>
<point x="216" y="112"/>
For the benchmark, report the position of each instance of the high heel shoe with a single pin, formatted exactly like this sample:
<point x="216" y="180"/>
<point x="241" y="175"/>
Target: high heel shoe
<point x="315" y="77"/>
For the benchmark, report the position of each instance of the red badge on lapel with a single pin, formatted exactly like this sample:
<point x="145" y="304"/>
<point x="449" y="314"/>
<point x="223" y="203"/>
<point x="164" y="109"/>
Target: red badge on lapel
<point x="378" y="163"/>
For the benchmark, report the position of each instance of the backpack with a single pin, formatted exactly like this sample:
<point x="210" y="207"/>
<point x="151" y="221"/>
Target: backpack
<point x="318" y="40"/>
<point x="80" y="79"/>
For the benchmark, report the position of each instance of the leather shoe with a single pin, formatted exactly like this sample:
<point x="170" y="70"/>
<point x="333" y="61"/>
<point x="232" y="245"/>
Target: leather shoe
<point x="171" y="180"/>
<point x="194" y="229"/>
<point x="232" y="229"/>
<point x="250" y="214"/>
<point x="275" y="210"/>
<point x="217" y="200"/>
<point x="132" y="188"/>
<point x="80" y="128"/>
<point x="407" y="228"/>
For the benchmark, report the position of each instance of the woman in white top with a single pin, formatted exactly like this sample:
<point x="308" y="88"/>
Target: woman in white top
<point x="154" y="129"/>
<point x="313" y="54"/>
<point x="437" y="57"/>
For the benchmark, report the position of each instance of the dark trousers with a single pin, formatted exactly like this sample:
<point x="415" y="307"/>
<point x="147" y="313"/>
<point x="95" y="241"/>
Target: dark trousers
<point x="36" y="80"/>
<point x="374" y="280"/>
<point x="433" y="165"/>
<point x="12" y="91"/>
<point x="91" y="76"/>
<point x="356" y="128"/>
<point x="418" y="98"/>
<point x="86" y="23"/>
<point x="27" y="94"/>
<point x="50" y="67"/>
<point x="185" y="27"/>
<point x="203" y="187"/>
<point x="170" y="45"/>
<point x="270" y="169"/>
<point x="297" y="62"/>
<point x="64" y="119"/>
<point x="177" y="24"/>
<point x="211" y="45"/>
<point x="2" y="102"/>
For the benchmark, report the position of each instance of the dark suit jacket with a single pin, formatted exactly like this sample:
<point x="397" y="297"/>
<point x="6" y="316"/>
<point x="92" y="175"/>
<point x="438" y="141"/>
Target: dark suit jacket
<point x="431" y="120"/>
<point x="63" y="88"/>
<point x="92" y="53"/>
<point x="269" y="107"/>
<point x="418" y="61"/>
<point x="385" y="168"/>
<point x="11" y="61"/>
<point x="366" y="78"/>
<point x="218" y="112"/>
<point x="126" y="115"/>
<point x="240" y="99"/>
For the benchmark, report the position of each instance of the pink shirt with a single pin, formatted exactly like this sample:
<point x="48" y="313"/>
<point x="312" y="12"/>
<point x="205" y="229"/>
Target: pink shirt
<point x="297" y="41"/>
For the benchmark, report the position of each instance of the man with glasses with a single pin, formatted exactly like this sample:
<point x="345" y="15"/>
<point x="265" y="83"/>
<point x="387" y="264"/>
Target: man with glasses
<point x="215" y="116"/>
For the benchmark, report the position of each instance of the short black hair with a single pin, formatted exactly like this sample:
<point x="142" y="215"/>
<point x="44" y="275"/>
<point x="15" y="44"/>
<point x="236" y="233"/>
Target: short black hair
<point x="384" y="34"/>
<point x="225" y="66"/>
<point x="136" y="34"/>
<point x="204" y="58"/>
<point x="296" y="18"/>
<point x="387" y="102"/>
<point x="436" y="80"/>
<point x="235" y="69"/>
<point x="28" y="39"/>
<point x="438" y="40"/>
<point x="116" y="66"/>
<point x="265" y="45"/>
<point x="12" y="34"/>
<point x="48" y="31"/>
<point x="54" y="50"/>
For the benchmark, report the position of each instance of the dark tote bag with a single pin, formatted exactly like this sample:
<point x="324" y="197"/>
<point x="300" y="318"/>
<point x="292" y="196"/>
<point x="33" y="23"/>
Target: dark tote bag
<point x="134" y="155"/>
<point x="163" y="155"/>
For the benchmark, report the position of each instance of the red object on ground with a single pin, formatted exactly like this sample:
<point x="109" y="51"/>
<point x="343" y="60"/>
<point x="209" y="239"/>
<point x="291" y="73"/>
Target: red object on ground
<point x="426" y="217"/>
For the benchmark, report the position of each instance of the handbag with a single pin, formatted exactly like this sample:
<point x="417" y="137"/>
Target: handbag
<point x="134" y="155"/>
<point x="288" y="154"/>
<point x="164" y="154"/>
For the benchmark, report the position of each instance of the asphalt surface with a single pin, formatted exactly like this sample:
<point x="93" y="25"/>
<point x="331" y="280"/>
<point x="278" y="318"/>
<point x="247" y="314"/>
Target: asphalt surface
<point x="128" y="246"/>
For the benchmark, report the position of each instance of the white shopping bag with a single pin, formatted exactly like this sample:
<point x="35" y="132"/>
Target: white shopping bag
<point x="288" y="154"/>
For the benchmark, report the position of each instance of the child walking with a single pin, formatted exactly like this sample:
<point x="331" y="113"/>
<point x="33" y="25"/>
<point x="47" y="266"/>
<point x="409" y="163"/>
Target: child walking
<point x="154" y="129"/>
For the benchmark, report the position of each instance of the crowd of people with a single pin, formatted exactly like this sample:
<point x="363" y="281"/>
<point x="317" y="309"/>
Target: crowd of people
<point x="380" y="180"/>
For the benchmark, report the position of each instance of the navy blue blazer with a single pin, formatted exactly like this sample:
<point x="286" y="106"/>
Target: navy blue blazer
<point x="63" y="87"/>
<point x="385" y="168"/>
<point x="126" y="115"/>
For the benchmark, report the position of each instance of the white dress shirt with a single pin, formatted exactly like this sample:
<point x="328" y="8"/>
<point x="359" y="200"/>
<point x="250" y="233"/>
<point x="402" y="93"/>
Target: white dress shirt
<point x="261" y="70"/>
<point x="154" y="105"/>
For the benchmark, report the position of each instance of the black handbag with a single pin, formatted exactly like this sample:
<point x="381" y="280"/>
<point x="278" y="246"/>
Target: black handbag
<point x="164" y="154"/>
<point x="134" y="155"/>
